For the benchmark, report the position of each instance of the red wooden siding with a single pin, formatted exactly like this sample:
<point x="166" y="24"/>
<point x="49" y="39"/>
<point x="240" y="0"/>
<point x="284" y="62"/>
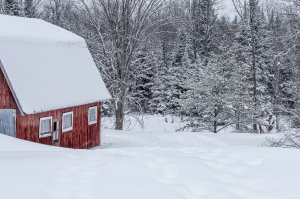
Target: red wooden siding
<point x="27" y="127"/>
<point x="7" y="100"/>
<point x="80" y="137"/>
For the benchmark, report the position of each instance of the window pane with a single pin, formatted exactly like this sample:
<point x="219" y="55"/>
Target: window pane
<point x="92" y="115"/>
<point x="46" y="126"/>
<point x="67" y="121"/>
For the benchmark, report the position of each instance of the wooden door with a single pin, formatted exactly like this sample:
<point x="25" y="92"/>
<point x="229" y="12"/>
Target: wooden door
<point x="55" y="135"/>
<point x="8" y="122"/>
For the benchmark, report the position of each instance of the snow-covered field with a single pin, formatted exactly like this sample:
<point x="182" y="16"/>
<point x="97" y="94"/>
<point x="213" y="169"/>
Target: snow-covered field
<point x="154" y="163"/>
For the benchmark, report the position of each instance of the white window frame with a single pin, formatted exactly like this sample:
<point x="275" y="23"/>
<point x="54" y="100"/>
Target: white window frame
<point x="41" y="120"/>
<point x="62" y="123"/>
<point x="96" y="115"/>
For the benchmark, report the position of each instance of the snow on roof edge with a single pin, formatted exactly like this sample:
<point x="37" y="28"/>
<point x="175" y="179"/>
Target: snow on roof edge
<point x="2" y="69"/>
<point x="34" y="30"/>
<point x="69" y="106"/>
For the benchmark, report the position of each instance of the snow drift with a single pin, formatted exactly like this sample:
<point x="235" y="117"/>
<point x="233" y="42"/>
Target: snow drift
<point x="168" y="166"/>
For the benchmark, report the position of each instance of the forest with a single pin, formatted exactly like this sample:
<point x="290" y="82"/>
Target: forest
<point x="183" y="58"/>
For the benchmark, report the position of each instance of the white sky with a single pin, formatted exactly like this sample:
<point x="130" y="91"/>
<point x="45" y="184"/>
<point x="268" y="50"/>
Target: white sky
<point x="227" y="8"/>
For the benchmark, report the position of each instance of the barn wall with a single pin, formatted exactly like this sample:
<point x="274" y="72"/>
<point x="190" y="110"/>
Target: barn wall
<point x="7" y="100"/>
<point x="82" y="136"/>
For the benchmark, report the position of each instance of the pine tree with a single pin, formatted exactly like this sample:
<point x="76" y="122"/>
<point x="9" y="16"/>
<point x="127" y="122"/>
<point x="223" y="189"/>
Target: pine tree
<point x="158" y="103"/>
<point x="12" y="7"/>
<point x="203" y="19"/>
<point x="239" y="70"/>
<point x="29" y="9"/>
<point x="260" y="64"/>
<point x="207" y="93"/>
<point x="141" y="82"/>
<point x="177" y="73"/>
<point x="205" y="98"/>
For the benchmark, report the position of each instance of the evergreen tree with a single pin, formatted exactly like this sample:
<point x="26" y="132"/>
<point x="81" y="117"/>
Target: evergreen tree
<point x="260" y="65"/>
<point x="206" y="95"/>
<point x="158" y="103"/>
<point x="29" y="9"/>
<point x="141" y="82"/>
<point x="177" y="73"/>
<point x="239" y="71"/>
<point x="203" y="19"/>
<point x="12" y="7"/>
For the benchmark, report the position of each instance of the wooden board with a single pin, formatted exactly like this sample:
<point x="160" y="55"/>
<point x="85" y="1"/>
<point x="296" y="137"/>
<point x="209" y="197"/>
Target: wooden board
<point x="27" y="126"/>
<point x="80" y="137"/>
<point x="6" y="98"/>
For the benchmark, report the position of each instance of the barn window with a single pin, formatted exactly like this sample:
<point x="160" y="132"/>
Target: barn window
<point x="92" y="115"/>
<point x="67" y="121"/>
<point x="45" y="126"/>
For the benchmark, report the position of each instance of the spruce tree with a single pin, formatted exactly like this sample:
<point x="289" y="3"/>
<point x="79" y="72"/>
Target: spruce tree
<point x="158" y="103"/>
<point x="203" y="19"/>
<point x="29" y="9"/>
<point x="177" y="73"/>
<point x="12" y="7"/>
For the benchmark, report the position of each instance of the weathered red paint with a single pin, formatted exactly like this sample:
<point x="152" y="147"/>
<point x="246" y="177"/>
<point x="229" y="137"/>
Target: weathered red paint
<point x="81" y="136"/>
<point x="7" y="100"/>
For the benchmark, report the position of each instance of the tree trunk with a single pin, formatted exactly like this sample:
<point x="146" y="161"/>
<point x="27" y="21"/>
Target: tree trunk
<point x="237" y="124"/>
<point x="119" y="115"/>
<point x="253" y="27"/>
<point x="215" y="123"/>
<point x="215" y="127"/>
<point x="260" y="129"/>
<point x="278" y="123"/>
<point x="276" y="95"/>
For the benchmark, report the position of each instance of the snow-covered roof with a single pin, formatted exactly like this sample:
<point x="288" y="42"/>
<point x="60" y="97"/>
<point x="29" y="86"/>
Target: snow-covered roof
<point x="47" y="67"/>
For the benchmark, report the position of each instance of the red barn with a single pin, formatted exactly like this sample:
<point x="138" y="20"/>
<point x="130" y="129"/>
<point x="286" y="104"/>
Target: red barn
<point x="50" y="88"/>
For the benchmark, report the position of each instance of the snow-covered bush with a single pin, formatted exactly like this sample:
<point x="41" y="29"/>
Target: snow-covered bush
<point x="289" y="140"/>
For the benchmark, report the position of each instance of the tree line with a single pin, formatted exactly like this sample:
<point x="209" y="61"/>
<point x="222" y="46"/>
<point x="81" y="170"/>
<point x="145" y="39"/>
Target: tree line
<point x="183" y="58"/>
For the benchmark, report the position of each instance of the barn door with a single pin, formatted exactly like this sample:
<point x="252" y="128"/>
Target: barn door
<point x="8" y="122"/>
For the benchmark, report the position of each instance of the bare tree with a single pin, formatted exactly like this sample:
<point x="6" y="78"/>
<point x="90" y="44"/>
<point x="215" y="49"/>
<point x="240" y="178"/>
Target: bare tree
<point x="121" y="27"/>
<point x="55" y="11"/>
<point x="32" y="8"/>
<point x="289" y="140"/>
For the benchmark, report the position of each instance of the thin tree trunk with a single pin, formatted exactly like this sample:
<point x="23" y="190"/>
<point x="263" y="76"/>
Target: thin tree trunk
<point x="215" y="123"/>
<point x="253" y="51"/>
<point x="254" y="94"/>
<point x="237" y="124"/>
<point x="119" y="115"/>
<point x="276" y="96"/>
<point x="278" y="123"/>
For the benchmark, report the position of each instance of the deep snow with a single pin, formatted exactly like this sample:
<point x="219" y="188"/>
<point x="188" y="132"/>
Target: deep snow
<point x="154" y="163"/>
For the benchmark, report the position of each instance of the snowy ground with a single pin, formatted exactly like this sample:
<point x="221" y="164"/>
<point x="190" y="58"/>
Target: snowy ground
<point x="155" y="163"/>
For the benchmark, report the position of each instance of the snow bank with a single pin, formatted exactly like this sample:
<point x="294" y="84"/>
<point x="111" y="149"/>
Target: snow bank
<point x="161" y="131"/>
<point x="170" y="166"/>
<point x="9" y="144"/>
